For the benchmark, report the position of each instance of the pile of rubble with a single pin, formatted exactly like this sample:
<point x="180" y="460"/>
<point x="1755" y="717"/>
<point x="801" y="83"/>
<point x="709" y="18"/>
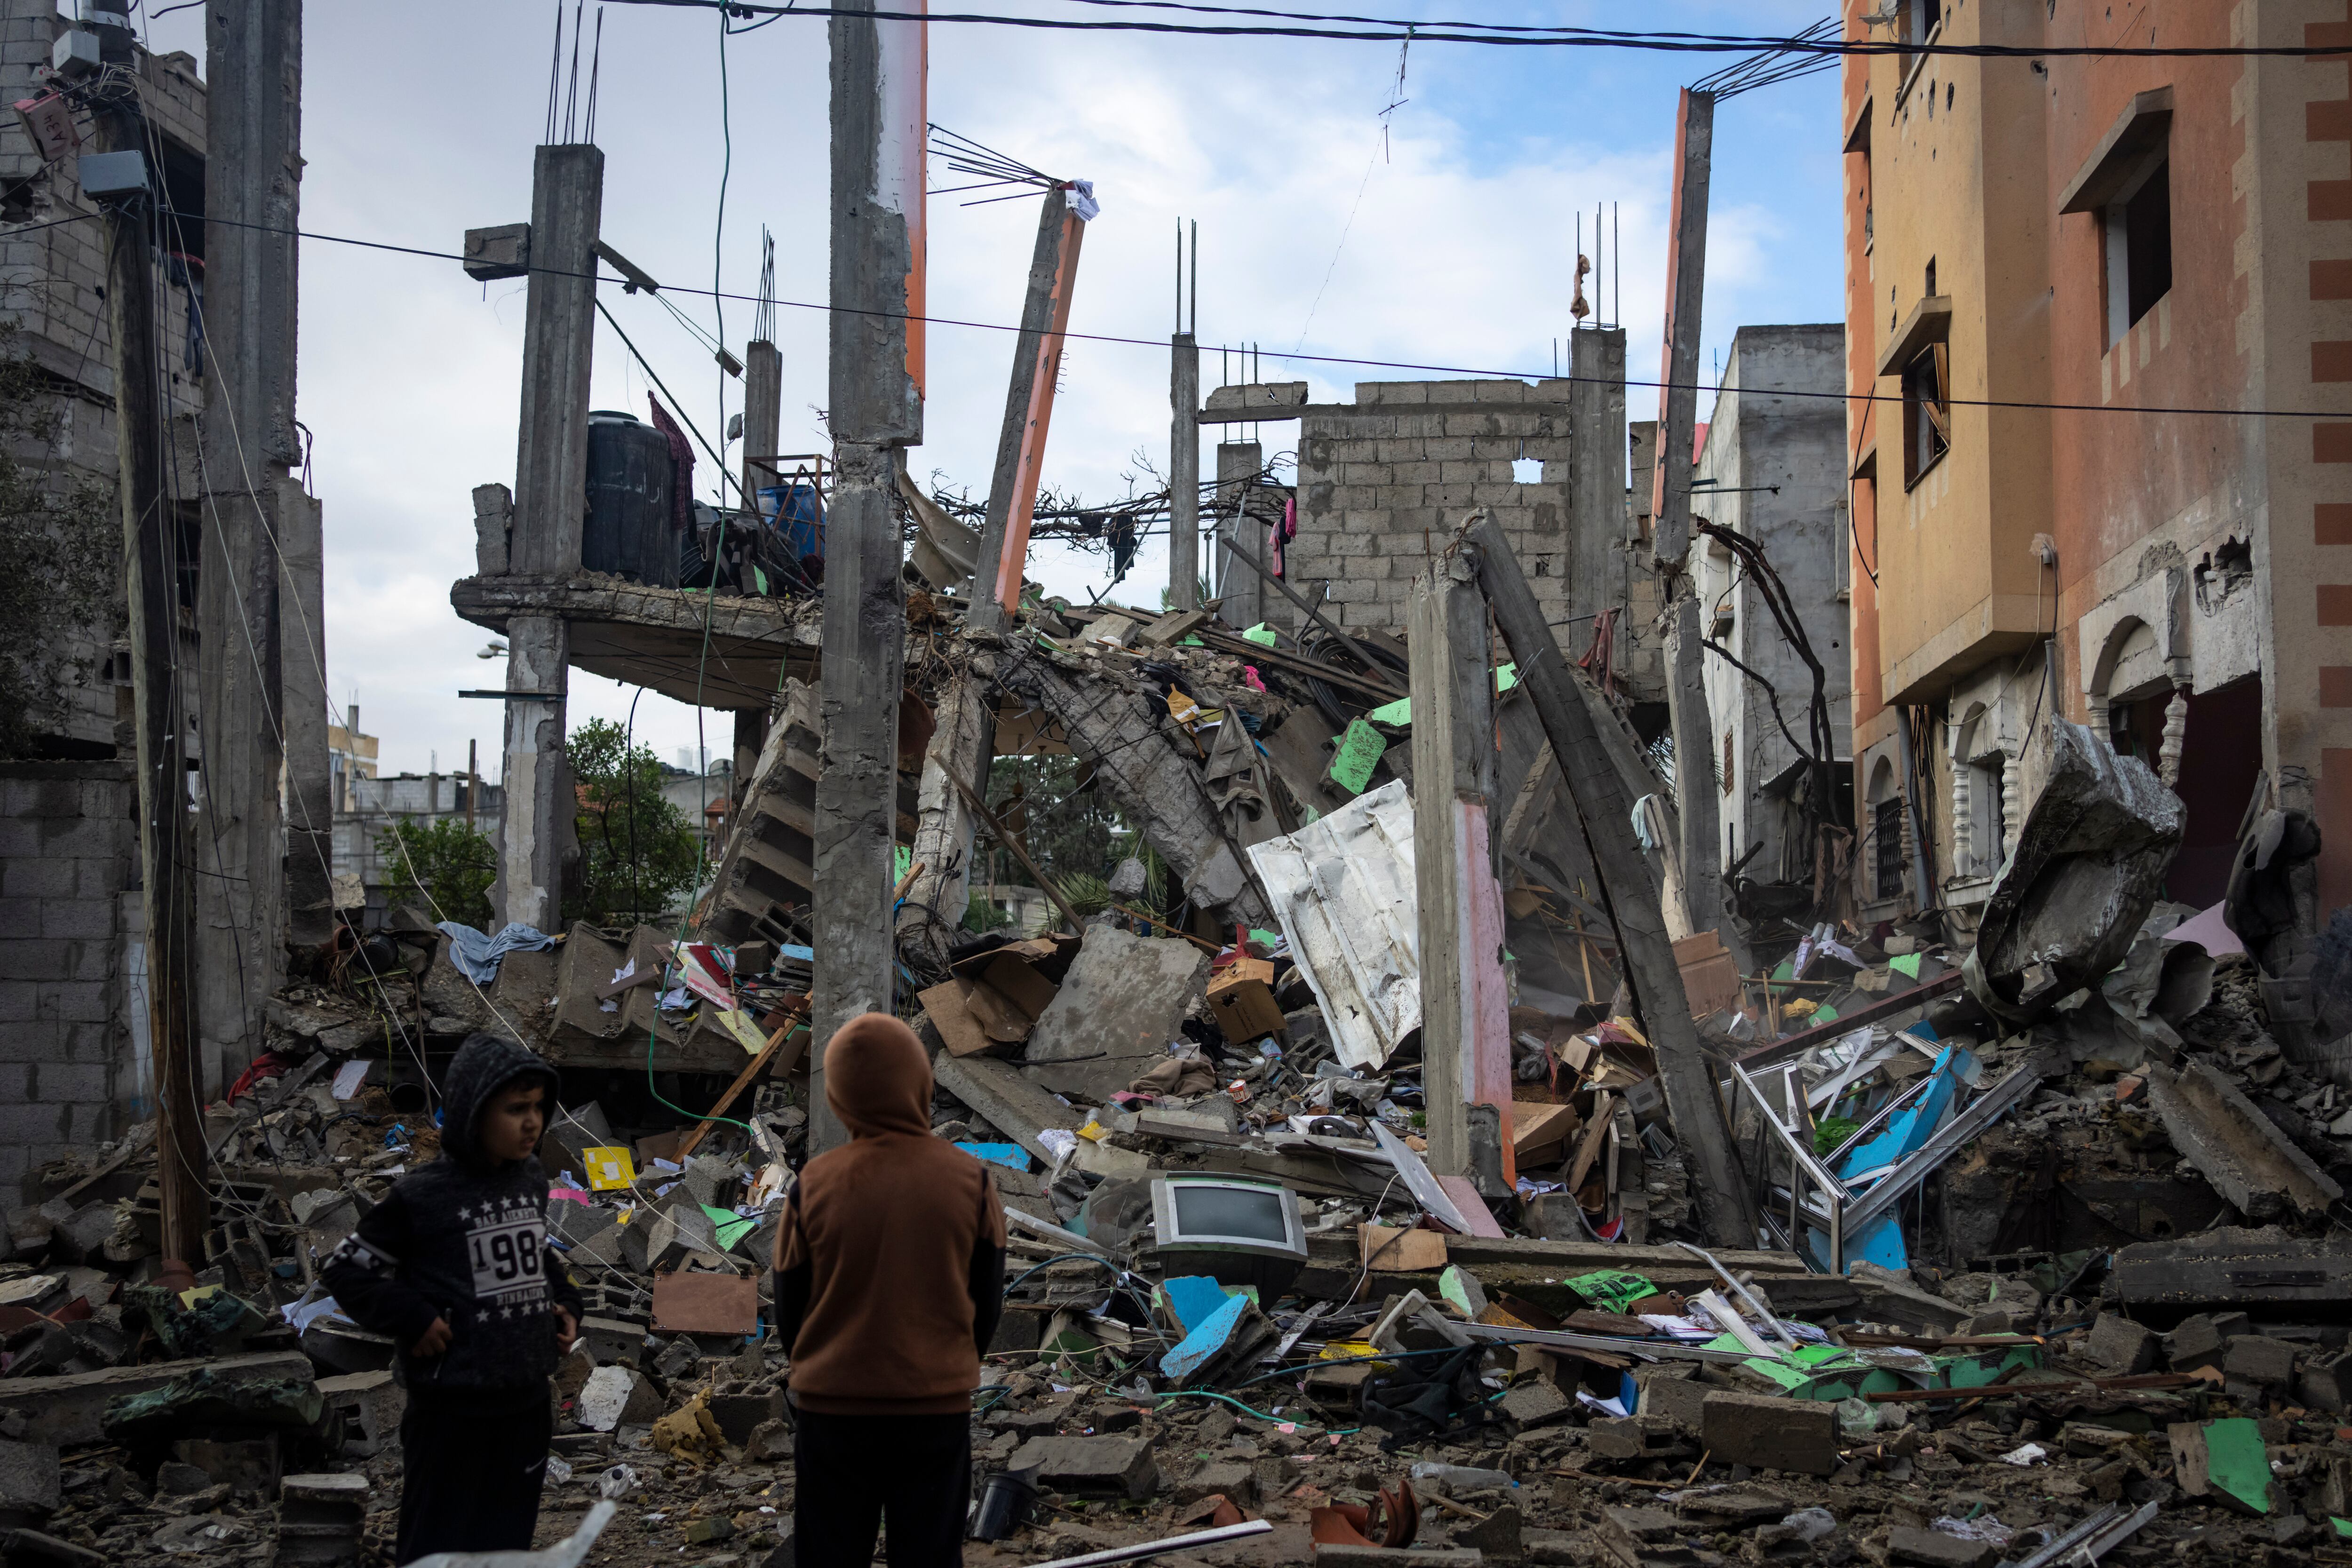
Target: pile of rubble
<point x="2042" y="1211"/>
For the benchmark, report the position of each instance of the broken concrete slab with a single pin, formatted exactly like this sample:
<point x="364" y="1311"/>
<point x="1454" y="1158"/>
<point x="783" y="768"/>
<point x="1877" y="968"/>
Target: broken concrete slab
<point x="2088" y="865"/>
<point x="997" y="1093"/>
<point x="30" y="1480"/>
<point x="615" y="1396"/>
<point x="69" y="1411"/>
<point x="1123" y="1465"/>
<point x="1160" y="789"/>
<point x="1123" y="1000"/>
<point x="2238" y="1149"/>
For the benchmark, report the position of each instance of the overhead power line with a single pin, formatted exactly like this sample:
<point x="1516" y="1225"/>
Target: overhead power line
<point x="1390" y="31"/>
<point x="1483" y="372"/>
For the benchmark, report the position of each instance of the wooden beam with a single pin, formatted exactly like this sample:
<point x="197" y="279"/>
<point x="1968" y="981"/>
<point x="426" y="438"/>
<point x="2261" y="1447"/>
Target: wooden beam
<point x="768" y="1056"/>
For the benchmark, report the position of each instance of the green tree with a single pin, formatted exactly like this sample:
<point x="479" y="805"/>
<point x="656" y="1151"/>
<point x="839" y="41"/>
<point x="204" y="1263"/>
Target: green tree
<point x="444" y="866"/>
<point x="61" y="602"/>
<point x="639" y="852"/>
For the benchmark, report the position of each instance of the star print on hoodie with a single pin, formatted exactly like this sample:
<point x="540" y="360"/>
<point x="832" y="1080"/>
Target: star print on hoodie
<point x="463" y="1238"/>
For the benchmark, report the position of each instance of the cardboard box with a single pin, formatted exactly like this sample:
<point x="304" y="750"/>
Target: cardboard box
<point x="1388" y="1251"/>
<point x="1241" y="998"/>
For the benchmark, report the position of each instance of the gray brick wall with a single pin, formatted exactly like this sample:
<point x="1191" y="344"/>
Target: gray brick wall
<point x="68" y="845"/>
<point x="1385" y="483"/>
<point x="50" y="280"/>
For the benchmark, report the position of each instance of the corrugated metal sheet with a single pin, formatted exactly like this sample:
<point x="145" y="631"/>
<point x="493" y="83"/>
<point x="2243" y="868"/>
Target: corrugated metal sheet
<point x="1343" y="891"/>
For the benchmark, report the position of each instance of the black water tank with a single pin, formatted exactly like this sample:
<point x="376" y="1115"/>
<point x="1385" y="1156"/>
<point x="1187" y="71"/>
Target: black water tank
<point x="629" y="529"/>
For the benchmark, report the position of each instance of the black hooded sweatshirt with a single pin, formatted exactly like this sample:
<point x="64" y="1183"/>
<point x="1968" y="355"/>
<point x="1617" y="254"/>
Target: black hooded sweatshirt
<point x="463" y="1238"/>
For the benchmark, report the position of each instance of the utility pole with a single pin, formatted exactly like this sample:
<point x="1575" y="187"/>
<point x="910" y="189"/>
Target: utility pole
<point x="159" y="694"/>
<point x="1028" y="411"/>
<point x="1605" y="807"/>
<point x="473" y="781"/>
<point x="1695" y="786"/>
<point x="550" y="503"/>
<point x="875" y="407"/>
<point x="1465" y="1004"/>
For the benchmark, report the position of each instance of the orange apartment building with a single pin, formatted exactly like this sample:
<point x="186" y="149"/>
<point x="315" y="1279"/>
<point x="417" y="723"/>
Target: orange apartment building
<point x="2055" y="266"/>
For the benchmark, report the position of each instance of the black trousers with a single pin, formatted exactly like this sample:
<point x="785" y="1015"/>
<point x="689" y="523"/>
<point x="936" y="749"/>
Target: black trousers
<point x="472" y="1462"/>
<point x="854" y="1474"/>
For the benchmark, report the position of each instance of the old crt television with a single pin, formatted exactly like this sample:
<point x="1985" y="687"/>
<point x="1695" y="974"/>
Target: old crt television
<point x="1237" y="1231"/>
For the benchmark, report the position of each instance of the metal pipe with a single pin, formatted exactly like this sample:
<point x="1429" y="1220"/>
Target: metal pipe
<point x="1135" y="1553"/>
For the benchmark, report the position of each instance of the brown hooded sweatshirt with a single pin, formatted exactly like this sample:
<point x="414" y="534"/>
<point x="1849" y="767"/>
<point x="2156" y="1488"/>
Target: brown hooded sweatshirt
<point x="890" y="1262"/>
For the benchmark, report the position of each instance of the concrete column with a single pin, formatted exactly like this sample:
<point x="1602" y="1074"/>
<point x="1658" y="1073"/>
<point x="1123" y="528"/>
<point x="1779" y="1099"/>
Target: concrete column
<point x="764" y="411"/>
<point x="1028" y="413"/>
<point x="539" y="839"/>
<point x="1241" y="589"/>
<point x="875" y="405"/>
<point x="1465" y="1029"/>
<point x="1596" y="489"/>
<point x="1685" y="290"/>
<point x="750" y="737"/>
<point x="559" y="340"/>
<point x="1698" y="787"/>
<point x="253" y="119"/>
<point x="1695" y="786"/>
<point x="1184" y="473"/>
<point x="309" y="786"/>
<point x="1605" y="807"/>
<point x="538" y="826"/>
<point x="962" y="744"/>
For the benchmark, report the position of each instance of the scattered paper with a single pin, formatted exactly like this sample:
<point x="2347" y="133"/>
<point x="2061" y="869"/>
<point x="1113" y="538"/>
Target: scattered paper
<point x="2029" y="1453"/>
<point x="349" y="1076"/>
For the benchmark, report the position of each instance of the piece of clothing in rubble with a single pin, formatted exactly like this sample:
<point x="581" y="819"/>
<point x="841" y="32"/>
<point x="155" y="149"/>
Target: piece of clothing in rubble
<point x="463" y="1239"/>
<point x="890" y="1261"/>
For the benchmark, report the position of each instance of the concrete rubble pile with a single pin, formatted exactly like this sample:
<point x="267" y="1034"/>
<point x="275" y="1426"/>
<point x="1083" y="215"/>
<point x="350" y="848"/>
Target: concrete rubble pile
<point x="2045" y="1267"/>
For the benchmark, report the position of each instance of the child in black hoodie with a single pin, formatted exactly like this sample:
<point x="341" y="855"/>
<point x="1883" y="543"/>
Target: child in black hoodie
<point x="451" y="1266"/>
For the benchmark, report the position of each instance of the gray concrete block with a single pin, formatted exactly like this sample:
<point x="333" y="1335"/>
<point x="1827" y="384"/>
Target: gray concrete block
<point x="1091" y="1465"/>
<point x="19" y="1001"/>
<point x="78" y="1001"/>
<point x="38" y="878"/>
<point x="32" y="959"/>
<point x="2120" y="1345"/>
<point x="2259" y="1362"/>
<point x="1770" y="1433"/>
<point x="1934" y="1549"/>
<point x="89" y="918"/>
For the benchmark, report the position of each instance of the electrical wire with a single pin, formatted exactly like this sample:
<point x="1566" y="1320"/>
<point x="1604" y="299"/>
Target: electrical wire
<point x="1160" y="344"/>
<point x="1391" y="30"/>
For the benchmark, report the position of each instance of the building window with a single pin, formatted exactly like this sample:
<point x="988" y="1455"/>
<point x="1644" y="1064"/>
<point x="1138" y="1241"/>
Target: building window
<point x="2136" y="229"/>
<point x="1921" y="18"/>
<point x="1887" y="831"/>
<point x="1987" y="826"/>
<point x="1927" y="416"/>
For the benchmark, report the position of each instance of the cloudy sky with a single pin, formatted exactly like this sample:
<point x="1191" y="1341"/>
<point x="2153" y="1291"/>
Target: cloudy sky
<point x="1440" y="232"/>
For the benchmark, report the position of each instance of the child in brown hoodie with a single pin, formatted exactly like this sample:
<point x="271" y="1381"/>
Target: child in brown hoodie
<point x="889" y="1280"/>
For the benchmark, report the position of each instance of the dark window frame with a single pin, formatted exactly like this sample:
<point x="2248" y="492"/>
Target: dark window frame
<point x="1926" y="412"/>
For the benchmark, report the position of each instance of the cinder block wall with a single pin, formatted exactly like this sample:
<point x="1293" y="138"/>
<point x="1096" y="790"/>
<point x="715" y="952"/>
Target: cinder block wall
<point x="1384" y="483"/>
<point x="69" y="849"/>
